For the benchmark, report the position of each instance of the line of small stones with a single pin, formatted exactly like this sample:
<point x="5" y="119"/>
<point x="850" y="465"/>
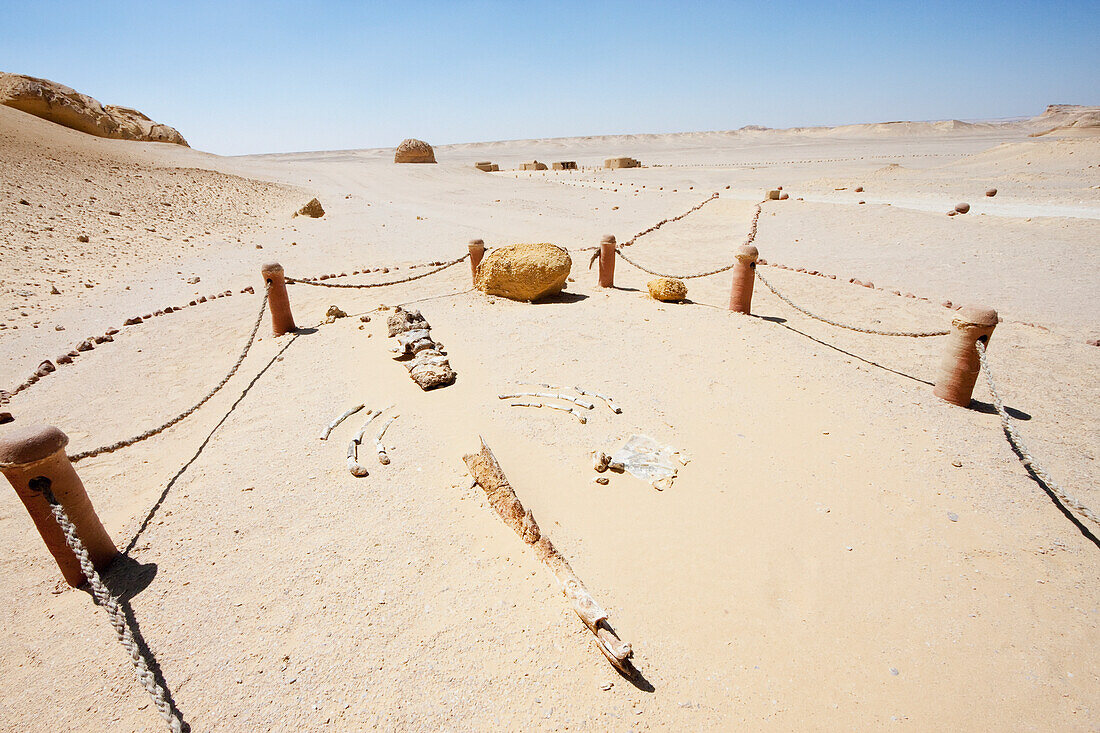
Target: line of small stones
<point x="796" y="162"/>
<point x="48" y="367"/>
<point x="367" y="271"/>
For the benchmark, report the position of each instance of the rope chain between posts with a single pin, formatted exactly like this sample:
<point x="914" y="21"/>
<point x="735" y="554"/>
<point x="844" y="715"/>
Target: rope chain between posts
<point x="823" y="319"/>
<point x="183" y="415"/>
<point x="661" y="223"/>
<point x="109" y="603"/>
<point x="1017" y="442"/>
<point x="409" y="279"/>
<point x="748" y="240"/>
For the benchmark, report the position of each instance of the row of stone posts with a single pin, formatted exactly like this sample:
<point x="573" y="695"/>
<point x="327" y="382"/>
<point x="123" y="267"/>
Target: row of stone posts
<point x="34" y="461"/>
<point x="958" y="370"/>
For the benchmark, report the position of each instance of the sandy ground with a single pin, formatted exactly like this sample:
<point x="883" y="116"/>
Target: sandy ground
<point x="844" y="550"/>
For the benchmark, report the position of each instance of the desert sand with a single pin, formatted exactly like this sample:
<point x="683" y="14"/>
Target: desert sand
<point x="842" y="550"/>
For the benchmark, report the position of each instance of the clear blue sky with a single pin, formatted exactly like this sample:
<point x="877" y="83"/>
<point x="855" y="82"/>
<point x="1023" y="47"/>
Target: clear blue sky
<point x="247" y="77"/>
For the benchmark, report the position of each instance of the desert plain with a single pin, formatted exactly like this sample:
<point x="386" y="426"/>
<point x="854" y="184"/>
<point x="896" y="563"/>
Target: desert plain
<point x="843" y="550"/>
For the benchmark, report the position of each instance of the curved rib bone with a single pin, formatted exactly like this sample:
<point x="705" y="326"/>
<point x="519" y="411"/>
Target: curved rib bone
<point x="332" y="425"/>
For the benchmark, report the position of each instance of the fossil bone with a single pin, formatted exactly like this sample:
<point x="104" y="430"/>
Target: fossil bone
<point x="485" y="469"/>
<point x="332" y="425"/>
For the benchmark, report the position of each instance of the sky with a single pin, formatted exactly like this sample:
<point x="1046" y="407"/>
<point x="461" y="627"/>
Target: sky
<point x="254" y="77"/>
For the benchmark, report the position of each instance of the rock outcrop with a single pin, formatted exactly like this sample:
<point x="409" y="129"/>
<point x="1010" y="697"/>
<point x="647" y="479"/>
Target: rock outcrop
<point x="668" y="289"/>
<point x="524" y="271"/>
<point x="414" y="151"/>
<point x="64" y="106"/>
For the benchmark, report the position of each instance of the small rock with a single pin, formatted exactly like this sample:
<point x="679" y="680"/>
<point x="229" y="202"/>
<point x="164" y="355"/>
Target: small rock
<point x="667" y="289"/>
<point x="859" y="189"/>
<point x="24" y="202"/>
<point x="607" y="686"/>
<point x="991" y="192"/>
<point x="962" y="208"/>
<point x="45" y="368"/>
<point x="5" y="417"/>
<point x="64" y="359"/>
<point x="114" y="213"/>
<point x="333" y="313"/>
<point x="194" y="280"/>
<point x="312" y="209"/>
<point x="54" y="290"/>
<point x="364" y="319"/>
<point x="59" y="328"/>
<point x="957" y="464"/>
<point x="601" y="480"/>
<point x="85" y="345"/>
<point x="83" y="239"/>
<point x="894" y="671"/>
<point x="953" y="516"/>
<point x="952" y="213"/>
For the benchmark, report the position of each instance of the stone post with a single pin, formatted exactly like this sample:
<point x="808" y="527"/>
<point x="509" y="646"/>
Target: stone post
<point x="477" y="252"/>
<point x="744" y="275"/>
<point x="282" y="320"/>
<point x="34" y="457"/>
<point x="960" y="365"/>
<point x="607" y="261"/>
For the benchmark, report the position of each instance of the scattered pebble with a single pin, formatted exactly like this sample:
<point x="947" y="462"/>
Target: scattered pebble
<point x="953" y="516"/>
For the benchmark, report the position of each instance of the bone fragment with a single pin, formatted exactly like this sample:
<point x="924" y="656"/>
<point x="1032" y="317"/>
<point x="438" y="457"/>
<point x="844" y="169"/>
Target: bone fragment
<point x="382" y="457"/>
<point x="353" y="461"/>
<point x="550" y="396"/>
<point x="332" y="425"/>
<point x="502" y="497"/>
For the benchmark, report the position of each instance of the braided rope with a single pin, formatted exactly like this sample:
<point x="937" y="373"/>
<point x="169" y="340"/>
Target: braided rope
<point x="748" y="240"/>
<point x="823" y="319"/>
<point x="183" y="415"/>
<point x="109" y="603"/>
<point x="1017" y="442"/>
<point x="409" y="279"/>
<point x="661" y="223"/>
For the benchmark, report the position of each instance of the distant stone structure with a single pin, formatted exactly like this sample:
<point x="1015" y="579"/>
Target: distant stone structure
<point x="534" y="165"/>
<point x="613" y="163"/>
<point x="486" y="166"/>
<point x="565" y="165"/>
<point x="414" y="151"/>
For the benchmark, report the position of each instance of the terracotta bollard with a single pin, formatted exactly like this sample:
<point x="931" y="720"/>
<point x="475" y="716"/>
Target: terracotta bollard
<point x="282" y="320"/>
<point x="744" y="275"/>
<point x="960" y="366"/>
<point x="34" y="457"/>
<point x="607" y="261"/>
<point x="477" y="252"/>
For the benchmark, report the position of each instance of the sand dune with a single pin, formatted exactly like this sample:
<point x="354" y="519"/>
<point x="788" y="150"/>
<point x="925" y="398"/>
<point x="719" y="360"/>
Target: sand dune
<point x="843" y="550"/>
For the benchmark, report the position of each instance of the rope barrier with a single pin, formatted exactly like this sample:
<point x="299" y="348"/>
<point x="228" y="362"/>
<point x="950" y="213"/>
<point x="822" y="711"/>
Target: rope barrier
<point x="661" y="223"/>
<point x="823" y="319"/>
<point x="183" y="415"/>
<point x="748" y="240"/>
<point x="105" y="599"/>
<point x="1017" y="442"/>
<point x="409" y="279"/>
